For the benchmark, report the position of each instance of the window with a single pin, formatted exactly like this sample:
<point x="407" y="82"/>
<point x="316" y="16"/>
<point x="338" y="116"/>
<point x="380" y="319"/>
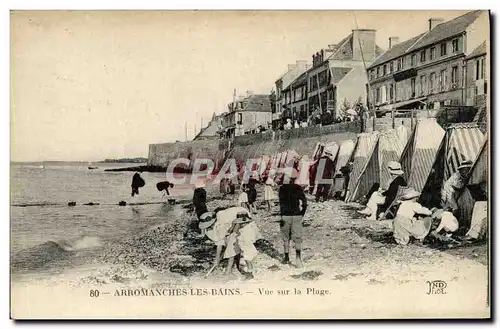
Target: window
<point x="378" y="71"/>
<point x="433" y="53"/>
<point x="400" y="63"/>
<point x="413" y="60"/>
<point x="372" y="74"/>
<point x="442" y="80"/>
<point x="377" y="95"/>
<point x="385" y="70"/>
<point x="454" y="45"/>
<point x="391" y="68"/>
<point x="422" y="84"/>
<point x="485" y="87"/>
<point x="464" y="72"/>
<point x="383" y="94"/>
<point x="412" y="88"/>
<point x="478" y="63"/>
<point x="240" y="118"/>
<point x="391" y="92"/>
<point x="443" y="49"/>
<point x="432" y="83"/>
<point x="454" y="76"/>
<point x="483" y="68"/>
<point x="422" y="56"/>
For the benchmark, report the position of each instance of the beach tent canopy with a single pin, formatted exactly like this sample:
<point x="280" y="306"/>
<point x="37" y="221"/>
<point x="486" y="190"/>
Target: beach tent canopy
<point x="420" y="152"/>
<point x="318" y="150"/>
<point x="476" y="187"/>
<point x="402" y="132"/>
<point x="345" y="151"/>
<point x="333" y="148"/>
<point x="462" y="142"/>
<point x="386" y="147"/>
<point x="363" y="150"/>
<point x="390" y="149"/>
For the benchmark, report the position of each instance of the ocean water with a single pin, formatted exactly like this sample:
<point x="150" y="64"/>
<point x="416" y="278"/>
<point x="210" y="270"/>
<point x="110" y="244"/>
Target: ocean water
<point x="47" y="236"/>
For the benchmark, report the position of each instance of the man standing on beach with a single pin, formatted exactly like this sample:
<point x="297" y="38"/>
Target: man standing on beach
<point x="293" y="205"/>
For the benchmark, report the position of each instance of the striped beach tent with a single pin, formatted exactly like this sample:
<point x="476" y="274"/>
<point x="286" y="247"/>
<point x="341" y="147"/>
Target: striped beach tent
<point x="345" y="151"/>
<point x="387" y="147"/>
<point x="420" y="152"/>
<point x="318" y="150"/>
<point x="462" y="142"/>
<point x="477" y="187"/>
<point x="363" y="150"/>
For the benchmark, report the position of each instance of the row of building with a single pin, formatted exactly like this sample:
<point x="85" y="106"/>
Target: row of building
<point x="442" y="67"/>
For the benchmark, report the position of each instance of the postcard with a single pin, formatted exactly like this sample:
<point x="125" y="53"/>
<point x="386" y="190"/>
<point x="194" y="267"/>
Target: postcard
<point x="250" y="165"/>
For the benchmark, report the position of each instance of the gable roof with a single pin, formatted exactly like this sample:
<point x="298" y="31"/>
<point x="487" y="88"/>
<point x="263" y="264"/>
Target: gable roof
<point x="338" y="73"/>
<point x="442" y="31"/>
<point x="396" y="51"/>
<point x="480" y="50"/>
<point x="257" y="103"/>
<point x="447" y="29"/>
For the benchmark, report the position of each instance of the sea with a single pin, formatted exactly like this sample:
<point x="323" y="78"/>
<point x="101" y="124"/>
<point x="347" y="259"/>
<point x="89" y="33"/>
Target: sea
<point x="48" y="237"/>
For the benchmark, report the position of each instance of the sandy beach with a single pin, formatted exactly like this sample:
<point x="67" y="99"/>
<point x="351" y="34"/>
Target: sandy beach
<point x="352" y="270"/>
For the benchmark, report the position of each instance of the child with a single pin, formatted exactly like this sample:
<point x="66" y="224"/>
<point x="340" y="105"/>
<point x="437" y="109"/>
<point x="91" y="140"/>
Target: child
<point x="232" y="228"/>
<point x="243" y="198"/>
<point x="269" y="195"/>
<point x="447" y="222"/>
<point x="405" y="224"/>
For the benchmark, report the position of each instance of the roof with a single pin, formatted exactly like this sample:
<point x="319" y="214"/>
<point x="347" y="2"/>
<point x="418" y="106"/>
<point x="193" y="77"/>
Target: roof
<point x="442" y="31"/>
<point x="396" y="51"/>
<point x="257" y="103"/>
<point x="301" y="79"/>
<point x="338" y="73"/>
<point x="447" y="29"/>
<point x="479" y="51"/>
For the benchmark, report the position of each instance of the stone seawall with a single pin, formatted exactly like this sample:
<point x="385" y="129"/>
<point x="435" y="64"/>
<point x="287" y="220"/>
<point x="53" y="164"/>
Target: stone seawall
<point x="302" y="140"/>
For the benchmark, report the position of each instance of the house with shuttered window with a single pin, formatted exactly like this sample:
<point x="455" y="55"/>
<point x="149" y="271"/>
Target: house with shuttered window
<point x="427" y="71"/>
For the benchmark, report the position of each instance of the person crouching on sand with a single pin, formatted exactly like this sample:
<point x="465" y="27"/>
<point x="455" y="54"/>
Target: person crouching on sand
<point x="234" y="229"/>
<point x="406" y="225"/>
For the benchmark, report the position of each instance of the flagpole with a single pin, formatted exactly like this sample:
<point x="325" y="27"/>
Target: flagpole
<point x="366" y="71"/>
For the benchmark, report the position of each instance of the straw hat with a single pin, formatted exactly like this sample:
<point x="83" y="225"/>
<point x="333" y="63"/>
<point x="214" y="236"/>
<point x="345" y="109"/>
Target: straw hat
<point x="395" y="168"/>
<point x="206" y="220"/>
<point x="465" y="164"/>
<point x="410" y="193"/>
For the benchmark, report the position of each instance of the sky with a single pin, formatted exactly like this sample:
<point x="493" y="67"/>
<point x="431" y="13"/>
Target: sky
<point x="90" y="85"/>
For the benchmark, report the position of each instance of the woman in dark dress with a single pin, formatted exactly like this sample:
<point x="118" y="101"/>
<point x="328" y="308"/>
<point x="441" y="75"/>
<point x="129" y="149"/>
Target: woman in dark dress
<point x="200" y="199"/>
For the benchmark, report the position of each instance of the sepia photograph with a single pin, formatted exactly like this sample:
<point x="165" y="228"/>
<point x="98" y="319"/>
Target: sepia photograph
<point x="250" y="164"/>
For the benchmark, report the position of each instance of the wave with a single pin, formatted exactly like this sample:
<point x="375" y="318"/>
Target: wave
<point x="51" y="251"/>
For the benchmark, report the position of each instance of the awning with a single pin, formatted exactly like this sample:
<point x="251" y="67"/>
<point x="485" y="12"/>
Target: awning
<point x="401" y="105"/>
<point x="409" y="104"/>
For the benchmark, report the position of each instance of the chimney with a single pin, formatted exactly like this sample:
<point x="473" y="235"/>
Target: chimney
<point x="433" y="22"/>
<point x="301" y="66"/>
<point x="249" y="93"/>
<point x="393" y="41"/>
<point x="365" y="37"/>
<point x="291" y="67"/>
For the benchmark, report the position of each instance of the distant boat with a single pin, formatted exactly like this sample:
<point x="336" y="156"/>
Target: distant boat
<point x="90" y="167"/>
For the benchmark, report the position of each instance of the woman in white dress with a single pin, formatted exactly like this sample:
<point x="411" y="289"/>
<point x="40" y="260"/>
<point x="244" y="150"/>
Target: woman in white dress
<point x="269" y="194"/>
